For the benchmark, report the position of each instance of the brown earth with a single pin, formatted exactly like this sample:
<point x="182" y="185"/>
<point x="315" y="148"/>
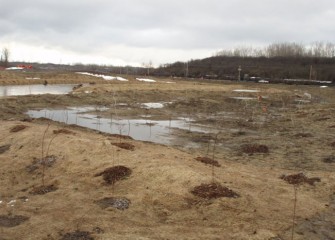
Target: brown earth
<point x="297" y="134"/>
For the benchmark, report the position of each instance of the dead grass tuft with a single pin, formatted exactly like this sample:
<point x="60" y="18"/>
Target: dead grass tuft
<point x="124" y="145"/>
<point x="41" y="190"/>
<point x="77" y="235"/>
<point x="207" y="160"/>
<point x="4" y="148"/>
<point x="18" y="128"/>
<point x="254" y="148"/>
<point x="12" y="220"/>
<point x="120" y="136"/>
<point x="303" y="135"/>
<point x="63" y="131"/>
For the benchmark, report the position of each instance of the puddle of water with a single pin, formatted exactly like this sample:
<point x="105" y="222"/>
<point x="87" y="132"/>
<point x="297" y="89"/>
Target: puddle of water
<point x="139" y="129"/>
<point x="21" y="90"/>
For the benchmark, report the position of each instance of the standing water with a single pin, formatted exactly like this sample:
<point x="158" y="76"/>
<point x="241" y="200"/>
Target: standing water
<point x="21" y="90"/>
<point x="139" y="129"/>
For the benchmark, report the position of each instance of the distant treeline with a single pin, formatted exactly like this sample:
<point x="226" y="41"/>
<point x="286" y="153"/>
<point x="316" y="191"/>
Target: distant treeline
<point x="277" y="61"/>
<point x="288" y="49"/>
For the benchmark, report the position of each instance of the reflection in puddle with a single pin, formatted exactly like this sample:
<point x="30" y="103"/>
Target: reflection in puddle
<point x="139" y="129"/>
<point x="21" y="90"/>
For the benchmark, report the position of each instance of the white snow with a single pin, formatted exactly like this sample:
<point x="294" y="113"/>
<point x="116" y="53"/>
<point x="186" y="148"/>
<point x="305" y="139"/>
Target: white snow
<point x="323" y="86"/>
<point x="29" y="78"/>
<point x="170" y="82"/>
<point x="14" y="68"/>
<point x="11" y="202"/>
<point x="246" y="90"/>
<point x="153" y="105"/>
<point x="105" y="77"/>
<point x="145" y="80"/>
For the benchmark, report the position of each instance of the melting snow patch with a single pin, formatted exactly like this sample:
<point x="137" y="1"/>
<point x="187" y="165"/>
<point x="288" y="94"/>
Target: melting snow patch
<point x="14" y="68"/>
<point x="108" y="78"/>
<point x="323" y="86"/>
<point x="153" y="105"/>
<point x="246" y="90"/>
<point x="35" y="78"/>
<point x="145" y="80"/>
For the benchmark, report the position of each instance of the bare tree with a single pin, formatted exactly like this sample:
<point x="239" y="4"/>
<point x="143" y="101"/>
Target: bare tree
<point x="5" y="57"/>
<point x="148" y="66"/>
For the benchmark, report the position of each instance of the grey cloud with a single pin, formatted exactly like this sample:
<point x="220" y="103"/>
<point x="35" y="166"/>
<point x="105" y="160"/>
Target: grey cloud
<point x="88" y="26"/>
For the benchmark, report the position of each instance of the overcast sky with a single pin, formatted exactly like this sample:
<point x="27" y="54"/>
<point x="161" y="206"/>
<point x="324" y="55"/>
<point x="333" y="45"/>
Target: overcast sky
<point x="130" y="32"/>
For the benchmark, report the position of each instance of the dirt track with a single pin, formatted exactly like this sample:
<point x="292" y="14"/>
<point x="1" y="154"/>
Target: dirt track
<point x="298" y="136"/>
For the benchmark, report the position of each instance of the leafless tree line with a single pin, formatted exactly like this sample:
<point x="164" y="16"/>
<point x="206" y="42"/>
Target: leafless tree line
<point x="286" y="49"/>
<point x="4" y="57"/>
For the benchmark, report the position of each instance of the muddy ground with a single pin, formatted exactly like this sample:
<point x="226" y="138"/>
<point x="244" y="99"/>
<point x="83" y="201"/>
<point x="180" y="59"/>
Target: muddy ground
<point x="54" y="177"/>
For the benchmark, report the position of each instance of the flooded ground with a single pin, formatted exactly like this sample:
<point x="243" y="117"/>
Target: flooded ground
<point x="255" y="143"/>
<point x="144" y="129"/>
<point x="22" y="90"/>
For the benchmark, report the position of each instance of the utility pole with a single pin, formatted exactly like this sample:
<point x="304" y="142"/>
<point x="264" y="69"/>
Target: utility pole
<point x="239" y="73"/>
<point x="186" y="70"/>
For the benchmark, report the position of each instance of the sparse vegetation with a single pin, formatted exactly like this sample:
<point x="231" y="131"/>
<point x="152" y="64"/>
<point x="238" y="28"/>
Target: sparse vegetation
<point x="161" y="191"/>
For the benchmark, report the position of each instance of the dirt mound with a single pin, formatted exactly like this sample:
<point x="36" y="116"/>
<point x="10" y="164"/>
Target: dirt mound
<point x="208" y="160"/>
<point x="118" y="203"/>
<point x="43" y="189"/>
<point x="18" y="128"/>
<point x="12" y="221"/>
<point x="120" y="136"/>
<point x="332" y="144"/>
<point x="303" y="135"/>
<point x="77" y="235"/>
<point x="330" y="159"/>
<point x="63" y="131"/>
<point x="114" y="174"/>
<point x="299" y="178"/>
<point x="4" y="148"/>
<point x="213" y="190"/>
<point x="47" y="161"/>
<point x="254" y="148"/>
<point x="124" y="145"/>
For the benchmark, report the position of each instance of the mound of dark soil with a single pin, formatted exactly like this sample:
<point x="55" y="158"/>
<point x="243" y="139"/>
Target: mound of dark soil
<point x="118" y="203"/>
<point x="213" y="190"/>
<point x="330" y="159"/>
<point x="47" y="161"/>
<point x="299" y="178"/>
<point x="18" y="128"/>
<point x="77" y="235"/>
<point x="254" y="148"/>
<point x="208" y="160"/>
<point x="124" y="145"/>
<point x="114" y="174"/>
<point x="120" y="136"/>
<point x="63" y="131"/>
<point x="303" y="135"/>
<point x="332" y="144"/>
<point x="12" y="221"/>
<point x="43" y="189"/>
<point x="4" y="148"/>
